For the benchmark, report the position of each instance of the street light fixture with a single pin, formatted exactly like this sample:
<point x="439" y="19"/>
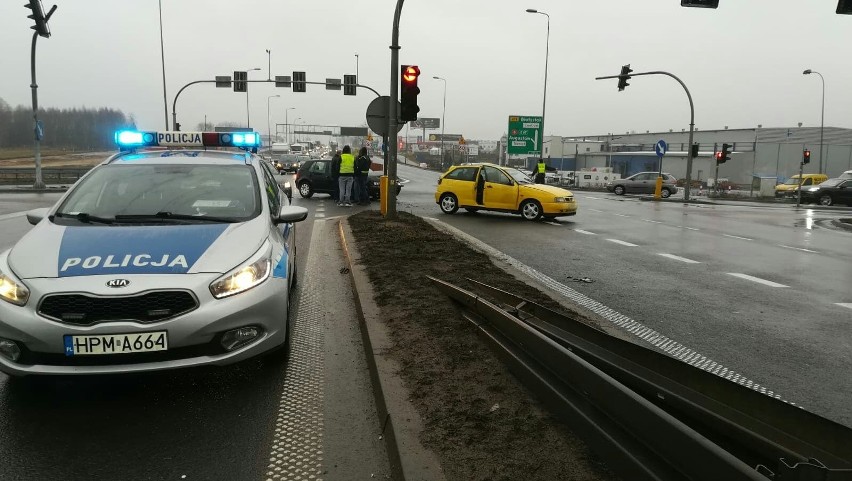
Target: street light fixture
<point x="822" y="120"/>
<point x="248" y="116"/>
<point x="268" y="127"/>
<point x="546" y="57"/>
<point x="443" y="118"/>
<point x="287" y="124"/>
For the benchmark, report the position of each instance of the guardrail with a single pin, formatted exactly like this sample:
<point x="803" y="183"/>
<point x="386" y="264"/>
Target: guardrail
<point x="18" y="176"/>
<point x="651" y="416"/>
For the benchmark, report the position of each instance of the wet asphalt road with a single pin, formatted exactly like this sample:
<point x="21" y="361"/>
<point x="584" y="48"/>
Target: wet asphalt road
<point x="683" y="271"/>
<point x="312" y="414"/>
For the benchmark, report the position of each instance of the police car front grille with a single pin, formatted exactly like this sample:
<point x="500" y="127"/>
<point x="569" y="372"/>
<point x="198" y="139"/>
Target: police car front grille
<point x="85" y="310"/>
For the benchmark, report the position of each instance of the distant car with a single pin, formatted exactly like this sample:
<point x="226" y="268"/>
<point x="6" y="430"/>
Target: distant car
<point x="289" y="162"/>
<point x="484" y="186"/>
<point x="643" y="183"/>
<point x="830" y="192"/>
<point x="314" y="177"/>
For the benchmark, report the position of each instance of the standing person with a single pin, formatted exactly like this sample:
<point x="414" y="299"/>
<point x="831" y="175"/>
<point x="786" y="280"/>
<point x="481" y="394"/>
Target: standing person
<point x="347" y="172"/>
<point x="335" y="174"/>
<point x="362" y="170"/>
<point x="540" y="169"/>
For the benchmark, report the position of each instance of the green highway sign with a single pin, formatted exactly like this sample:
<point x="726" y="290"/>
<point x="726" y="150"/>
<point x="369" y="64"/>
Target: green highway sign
<point x="525" y="135"/>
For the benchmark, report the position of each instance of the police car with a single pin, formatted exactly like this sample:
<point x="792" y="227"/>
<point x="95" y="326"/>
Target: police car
<point x="177" y="251"/>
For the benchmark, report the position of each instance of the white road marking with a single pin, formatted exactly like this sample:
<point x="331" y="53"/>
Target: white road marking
<point x="581" y="231"/>
<point x="319" y="215"/>
<point x="553" y="223"/>
<point x="320" y="209"/>
<point x="652" y="221"/>
<point x="622" y="243"/>
<point x="737" y="237"/>
<point x="685" y="227"/>
<point x="847" y="305"/>
<point x="590" y="197"/>
<point x="13" y="215"/>
<point x="595" y="210"/>
<point x="756" y="279"/>
<point x="679" y="258"/>
<point x="621" y="215"/>
<point x="798" y="249"/>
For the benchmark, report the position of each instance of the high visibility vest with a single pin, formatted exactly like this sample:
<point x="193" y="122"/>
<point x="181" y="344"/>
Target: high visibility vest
<point x="541" y="167"/>
<point x="347" y="164"/>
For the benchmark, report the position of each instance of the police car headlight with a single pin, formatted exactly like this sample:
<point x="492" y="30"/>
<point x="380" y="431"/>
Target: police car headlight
<point x="243" y="278"/>
<point x="13" y="291"/>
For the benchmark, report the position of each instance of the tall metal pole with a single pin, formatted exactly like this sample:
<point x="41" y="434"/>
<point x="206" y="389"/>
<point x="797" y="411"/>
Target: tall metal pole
<point x="163" y="61"/>
<point x="821" y="128"/>
<point x="248" y="115"/>
<point x="393" y="115"/>
<point x="268" y="127"/>
<point x="544" y="97"/>
<point x="443" y="119"/>
<point x="356" y="67"/>
<point x="268" y="64"/>
<point x="39" y="182"/>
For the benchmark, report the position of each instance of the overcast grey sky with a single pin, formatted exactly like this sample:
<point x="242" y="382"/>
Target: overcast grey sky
<point x="743" y="62"/>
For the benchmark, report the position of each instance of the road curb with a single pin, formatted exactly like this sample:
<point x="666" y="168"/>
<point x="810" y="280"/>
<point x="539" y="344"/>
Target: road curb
<point x="401" y="423"/>
<point x="845" y="224"/>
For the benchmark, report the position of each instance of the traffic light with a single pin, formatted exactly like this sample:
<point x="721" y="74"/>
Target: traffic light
<point x="240" y="84"/>
<point x="694" y="150"/>
<point x="724" y="155"/>
<point x="624" y="77"/>
<point x="39" y="17"/>
<point x="844" y="7"/>
<point x="699" y="3"/>
<point x="806" y="156"/>
<point x="299" y="80"/>
<point x="718" y="157"/>
<point x="408" y="93"/>
<point x="349" y="85"/>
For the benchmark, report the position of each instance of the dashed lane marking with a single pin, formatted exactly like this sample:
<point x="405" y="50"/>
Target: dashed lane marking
<point x="756" y="279"/>
<point x="661" y="342"/>
<point x="621" y="242"/>
<point x="621" y="215"/>
<point x="847" y="305"/>
<point x="553" y="223"/>
<point x="688" y="228"/>
<point x="798" y="249"/>
<point x="590" y="197"/>
<point x="13" y="215"/>
<point x="319" y="215"/>
<point x="679" y="258"/>
<point x="652" y="221"/>
<point x="596" y="210"/>
<point x="737" y="237"/>
<point x="581" y="231"/>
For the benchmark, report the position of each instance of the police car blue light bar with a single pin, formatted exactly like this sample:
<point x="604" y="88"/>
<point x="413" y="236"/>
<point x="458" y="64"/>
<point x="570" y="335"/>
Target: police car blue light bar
<point x="132" y="139"/>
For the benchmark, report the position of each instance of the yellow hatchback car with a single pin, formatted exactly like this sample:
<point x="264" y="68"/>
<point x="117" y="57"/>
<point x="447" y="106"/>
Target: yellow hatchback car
<point x="485" y="186"/>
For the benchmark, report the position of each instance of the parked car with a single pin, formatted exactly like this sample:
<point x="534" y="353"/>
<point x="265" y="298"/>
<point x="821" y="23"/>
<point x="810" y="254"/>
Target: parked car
<point x="492" y="187"/>
<point x="790" y="188"/>
<point x="314" y="177"/>
<point x="643" y="183"/>
<point x="830" y="192"/>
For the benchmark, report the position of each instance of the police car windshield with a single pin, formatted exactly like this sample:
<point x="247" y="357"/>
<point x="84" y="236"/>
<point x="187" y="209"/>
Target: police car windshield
<point x="224" y="193"/>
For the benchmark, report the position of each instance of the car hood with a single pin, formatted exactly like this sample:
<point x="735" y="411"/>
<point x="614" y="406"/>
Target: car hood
<point x="51" y="250"/>
<point x="545" y="189"/>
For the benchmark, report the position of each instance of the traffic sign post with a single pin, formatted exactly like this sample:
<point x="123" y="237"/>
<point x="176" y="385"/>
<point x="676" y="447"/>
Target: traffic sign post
<point x="525" y="135"/>
<point x="661" y="147"/>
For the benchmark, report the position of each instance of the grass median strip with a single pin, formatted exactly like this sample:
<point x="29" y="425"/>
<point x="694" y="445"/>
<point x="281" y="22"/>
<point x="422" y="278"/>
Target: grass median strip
<point x="478" y="418"/>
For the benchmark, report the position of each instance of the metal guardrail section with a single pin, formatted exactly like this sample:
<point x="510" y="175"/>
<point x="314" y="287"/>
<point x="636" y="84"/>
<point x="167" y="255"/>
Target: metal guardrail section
<point x="50" y="176"/>
<point x="649" y="415"/>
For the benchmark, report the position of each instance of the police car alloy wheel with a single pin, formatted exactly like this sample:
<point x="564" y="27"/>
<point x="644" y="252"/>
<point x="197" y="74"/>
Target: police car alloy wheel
<point x="154" y="260"/>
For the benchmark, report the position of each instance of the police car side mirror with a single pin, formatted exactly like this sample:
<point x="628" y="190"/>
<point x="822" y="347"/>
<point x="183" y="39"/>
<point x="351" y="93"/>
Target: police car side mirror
<point x="291" y="213"/>
<point x="36" y="215"/>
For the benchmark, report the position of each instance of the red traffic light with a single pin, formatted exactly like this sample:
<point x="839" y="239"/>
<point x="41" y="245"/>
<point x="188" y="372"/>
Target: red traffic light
<point x="410" y="73"/>
<point x="807" y="154"/>
<point x="718" y="155"/>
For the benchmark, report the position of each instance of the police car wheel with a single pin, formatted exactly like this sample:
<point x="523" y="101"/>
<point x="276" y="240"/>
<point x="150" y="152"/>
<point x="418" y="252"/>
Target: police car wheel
<point x="305" y="190"/>
<point x="531" y="210"/>
<point x="449" y="204"/>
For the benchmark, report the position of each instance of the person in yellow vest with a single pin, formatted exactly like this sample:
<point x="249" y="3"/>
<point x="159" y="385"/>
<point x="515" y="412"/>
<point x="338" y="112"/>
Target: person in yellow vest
<point x="540" y="168"/>
<point x="346" y="179"/>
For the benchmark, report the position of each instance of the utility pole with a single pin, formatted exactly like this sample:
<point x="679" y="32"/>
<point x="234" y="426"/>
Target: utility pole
<point x="393" y="115"/>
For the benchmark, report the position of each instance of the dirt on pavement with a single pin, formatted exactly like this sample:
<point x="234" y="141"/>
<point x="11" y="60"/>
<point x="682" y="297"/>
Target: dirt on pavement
<point x="479" y="419"/>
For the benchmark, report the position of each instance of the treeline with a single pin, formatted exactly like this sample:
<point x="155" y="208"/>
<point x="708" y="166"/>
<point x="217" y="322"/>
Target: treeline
<point x="73" y="129"/>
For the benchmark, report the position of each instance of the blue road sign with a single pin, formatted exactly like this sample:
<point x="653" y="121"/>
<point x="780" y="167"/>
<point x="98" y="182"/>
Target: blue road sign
<point x="661" y="147"/>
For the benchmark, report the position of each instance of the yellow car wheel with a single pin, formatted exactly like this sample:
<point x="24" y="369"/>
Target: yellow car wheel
<point x="449" y="203"/>
<point x="531" y="210"/>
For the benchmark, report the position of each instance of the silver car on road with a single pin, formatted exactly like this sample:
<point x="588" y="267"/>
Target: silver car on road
<point x="155" y="259"/>
<point x="643" y="183"/>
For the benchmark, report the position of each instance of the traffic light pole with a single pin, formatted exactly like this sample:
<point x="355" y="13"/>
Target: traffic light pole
<point x="689" y="159"/>
<point x="393" y="115"/>
<point x="177" y="95"/>
<point x="801" y="182"/>
<point x="37" y="134"/>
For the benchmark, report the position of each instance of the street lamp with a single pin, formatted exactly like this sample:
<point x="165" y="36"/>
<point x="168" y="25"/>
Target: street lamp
<point x="356" y="67"/>
<point x="287" y="124"/>
<point x="822" y="120"/>
<point x="268" y="128"/>
<point x="443" y="118"/>
<point x="163" y="60"/>
<point x="546" y="56"/>
<point x="248" y="116"/>
<point x="269" y="64"/>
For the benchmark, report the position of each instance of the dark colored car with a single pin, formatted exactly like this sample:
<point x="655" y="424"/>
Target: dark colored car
<point x="830" y="192"/>
<point x="314" y="177"/>
<point x="290" y="162"/>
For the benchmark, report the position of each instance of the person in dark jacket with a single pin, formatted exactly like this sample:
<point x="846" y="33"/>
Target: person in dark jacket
<point x="362" y="170"/>
<point x="335" y="174"/>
